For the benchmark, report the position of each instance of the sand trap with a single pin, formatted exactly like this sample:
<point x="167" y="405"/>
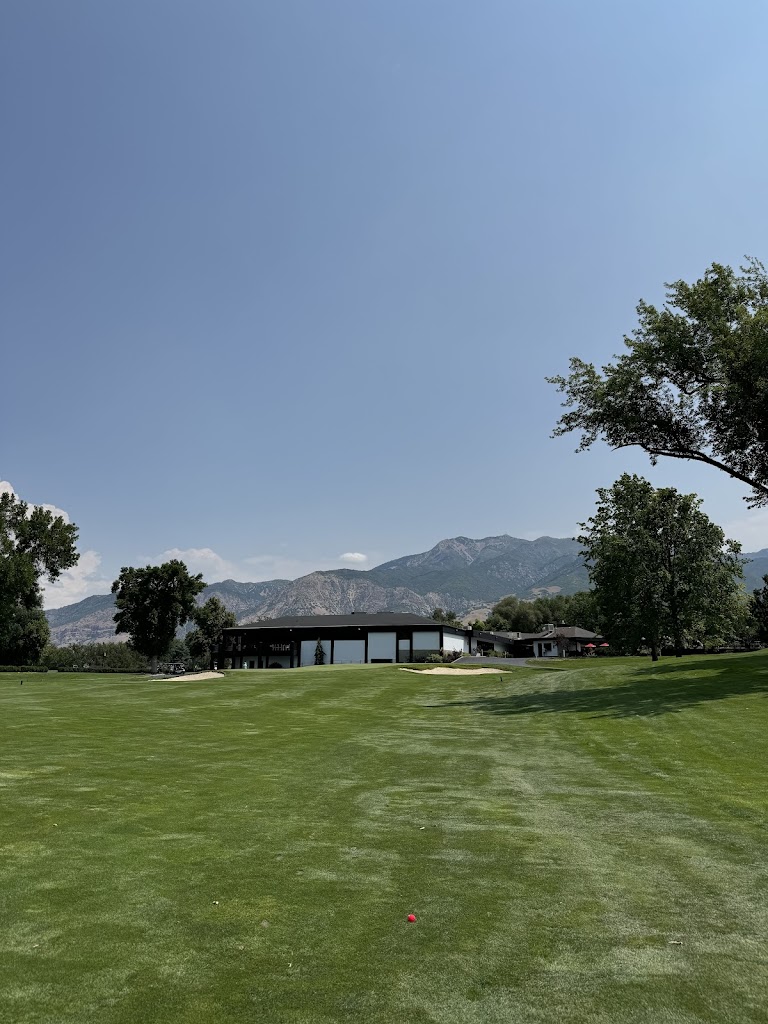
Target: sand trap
<point x="456" y="671"/>
<point x="192" y="675"/>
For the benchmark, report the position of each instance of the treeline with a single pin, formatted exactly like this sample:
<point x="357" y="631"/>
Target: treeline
<point x="120" y="657"/>
<point x="152" y="603"/>
<point x="518" y="616"/>
<point x="691" y="384"/>
<point x="739" y="620"/>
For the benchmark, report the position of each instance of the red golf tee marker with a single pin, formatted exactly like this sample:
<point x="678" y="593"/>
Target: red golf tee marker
<point x="411" y="918"/>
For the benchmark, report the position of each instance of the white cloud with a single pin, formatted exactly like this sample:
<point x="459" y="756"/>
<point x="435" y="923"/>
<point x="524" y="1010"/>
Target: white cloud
<point x="73" y="584"/>
<point x="751" y="530"/>
<point x="353" y="557"/>
<point x="7" y="488"/>
<point x="83" y="580"/>
<point x="205" y="560"/>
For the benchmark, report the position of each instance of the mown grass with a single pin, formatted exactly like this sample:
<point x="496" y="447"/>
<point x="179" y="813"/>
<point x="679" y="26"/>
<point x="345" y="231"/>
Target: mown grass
<point x="584" y="843"/>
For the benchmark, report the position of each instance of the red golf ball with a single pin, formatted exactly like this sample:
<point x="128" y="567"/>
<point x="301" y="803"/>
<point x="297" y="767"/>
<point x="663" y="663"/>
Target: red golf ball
<point x="411" y="917"/>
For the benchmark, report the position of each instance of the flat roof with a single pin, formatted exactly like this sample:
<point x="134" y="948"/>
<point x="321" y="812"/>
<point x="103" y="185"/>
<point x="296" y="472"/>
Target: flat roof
<point x="393" y="619"/>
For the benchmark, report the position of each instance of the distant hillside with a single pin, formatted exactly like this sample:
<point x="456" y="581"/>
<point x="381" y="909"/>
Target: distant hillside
<point x="756" y="569"/>
<point x="482" y="571"/>
<point x="459" y="574"/>
<point x="242" y="598"/>
<point x="88" y="620"/>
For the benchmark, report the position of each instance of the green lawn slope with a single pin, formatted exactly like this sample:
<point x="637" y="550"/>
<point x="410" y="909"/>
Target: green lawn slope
<point x="584" y="842"/>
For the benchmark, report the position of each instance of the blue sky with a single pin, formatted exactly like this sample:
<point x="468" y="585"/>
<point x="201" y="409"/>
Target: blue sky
<point x="282" y="280"/>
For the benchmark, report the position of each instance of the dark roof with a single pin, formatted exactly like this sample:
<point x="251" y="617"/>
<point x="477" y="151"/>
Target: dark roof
<point x="392" y="619"/>
<point x="568" y="632"/>
<point x="490" y="634"/>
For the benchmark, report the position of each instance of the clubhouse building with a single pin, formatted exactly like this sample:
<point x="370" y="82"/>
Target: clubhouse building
<point x="381" y="638"/>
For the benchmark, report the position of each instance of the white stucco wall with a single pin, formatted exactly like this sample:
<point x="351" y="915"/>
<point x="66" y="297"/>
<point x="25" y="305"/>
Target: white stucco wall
<point x="426" y="641"/>
<point x="541" y="653"/>
<point x="455" y="643"/>
<point x="382" y="645"/>
<point x="348" y="652"/>
<point x="308" y="652"/>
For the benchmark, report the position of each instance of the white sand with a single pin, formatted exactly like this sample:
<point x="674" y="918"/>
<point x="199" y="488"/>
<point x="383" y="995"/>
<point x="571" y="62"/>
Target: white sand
<point x="192" y="675"/>
<point x="456" y="671"/>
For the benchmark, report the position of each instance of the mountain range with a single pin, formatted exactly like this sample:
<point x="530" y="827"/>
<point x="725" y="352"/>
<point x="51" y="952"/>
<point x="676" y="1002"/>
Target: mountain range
<point x="459" y="574"/>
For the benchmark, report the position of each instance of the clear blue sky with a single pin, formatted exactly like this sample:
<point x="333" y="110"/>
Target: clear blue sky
<point x="282" y="280"/>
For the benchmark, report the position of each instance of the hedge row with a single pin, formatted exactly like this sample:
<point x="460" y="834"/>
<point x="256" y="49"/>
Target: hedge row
<point x="101" y="671"/>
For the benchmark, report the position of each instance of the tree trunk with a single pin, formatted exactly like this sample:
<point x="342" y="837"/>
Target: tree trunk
<point x="674" y="609"/>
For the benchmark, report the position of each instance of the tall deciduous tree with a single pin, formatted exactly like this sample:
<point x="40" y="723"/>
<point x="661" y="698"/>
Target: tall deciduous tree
<point x="694" y="383"/>
<point x="512" y="613"/>
<point x="33" y="544"/>
<point x="152" y="603"/>
<point x="759" y="609"/>
<point x="446" y="617"/>
<point x="660" y="568"/>
<point x="210" y="620"/>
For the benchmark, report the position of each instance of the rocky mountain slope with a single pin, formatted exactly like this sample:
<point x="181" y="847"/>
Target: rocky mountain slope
<point x="460" y="574"/>
<point x="87" y="621"/>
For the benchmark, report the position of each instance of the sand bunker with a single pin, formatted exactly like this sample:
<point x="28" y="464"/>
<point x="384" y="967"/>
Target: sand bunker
<point x="192" y="675"/>
<point x="456" y="671"/>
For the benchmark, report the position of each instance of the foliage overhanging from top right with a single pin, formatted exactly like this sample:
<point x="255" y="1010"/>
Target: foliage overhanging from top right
<point x="693" y="384"/>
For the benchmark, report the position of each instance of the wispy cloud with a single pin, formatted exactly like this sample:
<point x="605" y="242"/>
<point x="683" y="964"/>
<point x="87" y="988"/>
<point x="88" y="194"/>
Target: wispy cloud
<point x="205" y="560"/>
<point x="252" y="569"/>
<point x="282" y="567"/>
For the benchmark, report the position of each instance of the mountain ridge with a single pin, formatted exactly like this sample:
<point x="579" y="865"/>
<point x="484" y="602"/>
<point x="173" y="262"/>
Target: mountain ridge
<point x="460" y="574"/>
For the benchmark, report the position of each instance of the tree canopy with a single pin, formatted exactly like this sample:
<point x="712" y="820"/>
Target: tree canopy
<point x="34" y="543"/>
<point x="210" y="619"/>
<point x="693" y="384"/>
<point x="446" y="617"/>
<point x="152" y="603"/>
<point x="661" y="569"/>
<point x="516" y="615"/>
<point x="759" y="609"/>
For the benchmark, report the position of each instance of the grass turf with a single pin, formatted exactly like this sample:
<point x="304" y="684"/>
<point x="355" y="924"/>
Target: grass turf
<point x="581" y="843"/>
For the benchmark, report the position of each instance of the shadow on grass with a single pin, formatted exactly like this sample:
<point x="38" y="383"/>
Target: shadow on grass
<point x="647" y="691"/>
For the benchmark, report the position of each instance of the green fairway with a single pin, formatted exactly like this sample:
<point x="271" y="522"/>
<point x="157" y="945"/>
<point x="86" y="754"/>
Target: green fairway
<point x="581" y="842"/>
